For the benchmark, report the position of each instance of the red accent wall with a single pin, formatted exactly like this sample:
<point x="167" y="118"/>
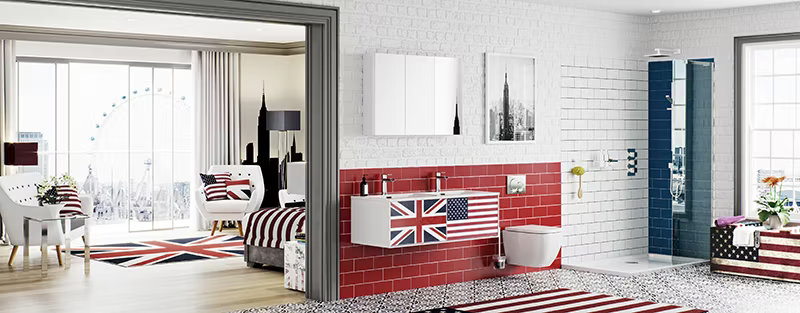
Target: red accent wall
<point x="366" y="270"/>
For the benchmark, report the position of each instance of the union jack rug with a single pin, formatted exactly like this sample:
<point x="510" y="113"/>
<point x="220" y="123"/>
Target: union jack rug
<point x="167" y="251"/>
<point x="565" y="300"/>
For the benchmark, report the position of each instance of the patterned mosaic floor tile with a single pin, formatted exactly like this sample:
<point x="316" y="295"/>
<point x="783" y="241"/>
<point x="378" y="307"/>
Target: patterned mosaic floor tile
<point x="690" y="286"/>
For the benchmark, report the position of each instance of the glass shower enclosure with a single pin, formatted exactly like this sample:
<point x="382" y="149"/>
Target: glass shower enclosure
<point x="679" y="170"/>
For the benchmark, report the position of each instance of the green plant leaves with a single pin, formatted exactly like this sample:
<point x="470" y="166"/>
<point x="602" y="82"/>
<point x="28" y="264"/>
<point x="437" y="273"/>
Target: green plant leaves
<point x="763" y="215"/>
<point x="784" y="215"/>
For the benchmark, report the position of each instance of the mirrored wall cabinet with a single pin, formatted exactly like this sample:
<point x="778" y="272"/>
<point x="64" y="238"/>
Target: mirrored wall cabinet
<point x="410" y="95"/>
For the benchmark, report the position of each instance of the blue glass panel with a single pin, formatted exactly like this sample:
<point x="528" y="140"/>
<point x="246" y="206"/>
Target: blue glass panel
<point x="691" y="234"/>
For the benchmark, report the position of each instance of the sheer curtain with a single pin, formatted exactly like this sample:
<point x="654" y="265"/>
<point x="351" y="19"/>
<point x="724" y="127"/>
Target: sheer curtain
<point x="217" y="110"/>
<point x="7" y="96"/>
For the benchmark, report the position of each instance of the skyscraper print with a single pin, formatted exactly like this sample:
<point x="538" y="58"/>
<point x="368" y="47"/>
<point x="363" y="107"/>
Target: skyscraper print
<point x="510" y="98"/>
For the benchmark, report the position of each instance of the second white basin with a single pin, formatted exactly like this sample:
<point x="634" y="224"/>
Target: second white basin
<point x="436" y="195"/>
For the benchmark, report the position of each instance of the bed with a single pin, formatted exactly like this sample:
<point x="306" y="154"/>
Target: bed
<point x="267" y="230"/>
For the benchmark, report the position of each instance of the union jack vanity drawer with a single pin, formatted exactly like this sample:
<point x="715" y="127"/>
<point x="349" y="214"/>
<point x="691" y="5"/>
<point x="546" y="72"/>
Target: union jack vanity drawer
<point x="427" y="218"/>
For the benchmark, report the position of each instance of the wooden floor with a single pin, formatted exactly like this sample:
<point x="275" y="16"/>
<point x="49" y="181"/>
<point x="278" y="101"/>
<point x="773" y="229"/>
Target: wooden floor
<point x="197" y="286"/>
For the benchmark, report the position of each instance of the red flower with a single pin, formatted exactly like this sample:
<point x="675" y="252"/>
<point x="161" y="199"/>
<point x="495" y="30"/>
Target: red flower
<point x="773" y="181"/>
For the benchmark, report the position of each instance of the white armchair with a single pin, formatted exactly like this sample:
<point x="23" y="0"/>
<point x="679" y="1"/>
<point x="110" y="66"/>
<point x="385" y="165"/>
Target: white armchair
<point x="232" y="210"/>
<point x="18" y="199"/>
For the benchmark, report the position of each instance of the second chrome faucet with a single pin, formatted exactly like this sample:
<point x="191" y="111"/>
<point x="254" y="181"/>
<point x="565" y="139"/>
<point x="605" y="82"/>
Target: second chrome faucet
<point x="438" y="177"/>
<point x="385" y="183"/>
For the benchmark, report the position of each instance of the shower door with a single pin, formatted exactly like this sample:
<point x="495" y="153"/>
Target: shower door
<point x="679" y="148"/>
<point x="691" y="219"/>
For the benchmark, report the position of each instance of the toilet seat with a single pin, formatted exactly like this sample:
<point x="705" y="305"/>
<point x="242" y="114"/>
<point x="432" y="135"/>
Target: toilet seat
<point x="534" y="229"/>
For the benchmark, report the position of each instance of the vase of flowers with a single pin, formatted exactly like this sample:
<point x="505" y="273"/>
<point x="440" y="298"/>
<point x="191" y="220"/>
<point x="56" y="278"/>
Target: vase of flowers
<point x="772" y="212"/>
<point x="48" y="189"/>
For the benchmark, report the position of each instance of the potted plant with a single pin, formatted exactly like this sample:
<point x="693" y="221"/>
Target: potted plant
<point x="772" y="212"/>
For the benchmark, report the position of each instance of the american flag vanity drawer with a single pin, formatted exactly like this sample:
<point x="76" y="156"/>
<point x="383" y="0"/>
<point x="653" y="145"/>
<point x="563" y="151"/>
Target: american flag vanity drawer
<point x="428" y="221"/>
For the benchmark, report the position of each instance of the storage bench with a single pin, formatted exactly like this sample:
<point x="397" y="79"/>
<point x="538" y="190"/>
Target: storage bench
<point x="776" y="254"/>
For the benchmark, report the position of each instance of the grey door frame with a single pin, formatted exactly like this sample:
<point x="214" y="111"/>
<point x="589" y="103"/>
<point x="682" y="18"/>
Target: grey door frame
<point x="322" y="68"/>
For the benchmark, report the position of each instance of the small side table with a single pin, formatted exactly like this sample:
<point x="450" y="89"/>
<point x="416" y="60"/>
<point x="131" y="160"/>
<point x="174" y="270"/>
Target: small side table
<point x="294" y="265"/>
<point x="67" y="220"/>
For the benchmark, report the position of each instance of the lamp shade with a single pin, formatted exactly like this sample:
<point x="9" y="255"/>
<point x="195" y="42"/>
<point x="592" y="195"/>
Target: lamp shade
<point x="21" y="153"/>
<point x="283" y="120"/>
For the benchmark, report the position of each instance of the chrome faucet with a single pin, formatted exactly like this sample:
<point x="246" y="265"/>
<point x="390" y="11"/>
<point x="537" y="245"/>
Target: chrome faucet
<point x="438" y="177"/>
<point x="385" y="183"/>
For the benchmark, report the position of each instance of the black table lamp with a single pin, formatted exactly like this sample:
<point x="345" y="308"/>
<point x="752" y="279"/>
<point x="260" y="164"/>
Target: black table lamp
<point x="284" y="121"/>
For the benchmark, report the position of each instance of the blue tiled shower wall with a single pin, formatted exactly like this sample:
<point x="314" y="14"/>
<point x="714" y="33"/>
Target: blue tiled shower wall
<point x="687" y="233"/>
<point x="660" y="153"/>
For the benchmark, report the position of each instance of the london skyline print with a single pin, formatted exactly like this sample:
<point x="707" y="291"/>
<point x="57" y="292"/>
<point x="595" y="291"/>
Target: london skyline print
<point x="510" y="98"/>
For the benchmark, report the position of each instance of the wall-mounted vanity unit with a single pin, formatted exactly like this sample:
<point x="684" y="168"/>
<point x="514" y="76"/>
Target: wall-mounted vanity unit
<point x="409" y="94"/>
<point x="414" y="219"/>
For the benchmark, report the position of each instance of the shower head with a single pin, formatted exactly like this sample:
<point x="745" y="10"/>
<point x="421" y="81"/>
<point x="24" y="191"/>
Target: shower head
<point x="663" y="53"/>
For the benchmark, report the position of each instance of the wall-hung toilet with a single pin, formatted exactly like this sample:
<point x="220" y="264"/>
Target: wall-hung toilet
<point x="532" y="245"/>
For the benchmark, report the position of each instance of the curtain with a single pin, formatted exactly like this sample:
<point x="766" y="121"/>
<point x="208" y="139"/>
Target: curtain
<point x="217" y="101"/>
<point x="7" y="96"/>
<point x="217" y="130"/>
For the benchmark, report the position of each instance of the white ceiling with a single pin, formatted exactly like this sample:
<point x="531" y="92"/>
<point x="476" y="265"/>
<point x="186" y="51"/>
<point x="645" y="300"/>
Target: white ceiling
<point x="644" y="7"/>
<point x="40" y="15"/>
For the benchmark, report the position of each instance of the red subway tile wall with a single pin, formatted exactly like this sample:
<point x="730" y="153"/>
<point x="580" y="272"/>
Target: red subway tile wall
<point x="366" y="270"/>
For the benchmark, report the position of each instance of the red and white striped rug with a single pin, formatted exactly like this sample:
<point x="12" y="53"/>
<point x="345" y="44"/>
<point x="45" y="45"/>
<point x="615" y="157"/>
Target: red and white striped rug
<point x="567" y="300"/>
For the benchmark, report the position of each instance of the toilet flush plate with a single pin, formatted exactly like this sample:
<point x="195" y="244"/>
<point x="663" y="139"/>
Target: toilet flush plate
<point x="515" y="184"/>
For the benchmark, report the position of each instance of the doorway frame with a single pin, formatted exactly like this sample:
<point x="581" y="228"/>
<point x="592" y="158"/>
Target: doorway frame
<point x="322" y="70"/>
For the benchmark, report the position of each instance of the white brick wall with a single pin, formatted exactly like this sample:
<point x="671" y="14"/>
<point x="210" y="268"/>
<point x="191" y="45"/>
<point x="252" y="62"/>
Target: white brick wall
<point x="598" y="102"/>
<point x="604" y="106"/>
<point x="466" y="29"/>
<point x="710" y="34"/>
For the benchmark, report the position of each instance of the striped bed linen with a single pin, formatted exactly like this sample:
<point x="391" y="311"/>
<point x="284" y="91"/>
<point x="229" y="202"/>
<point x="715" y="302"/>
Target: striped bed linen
<point x="777" y="257"/>
<point x="567" y="300"/>
<point x="272" y="227"/>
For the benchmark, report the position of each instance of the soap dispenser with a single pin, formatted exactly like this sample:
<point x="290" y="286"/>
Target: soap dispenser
<point x="364" y="186"/>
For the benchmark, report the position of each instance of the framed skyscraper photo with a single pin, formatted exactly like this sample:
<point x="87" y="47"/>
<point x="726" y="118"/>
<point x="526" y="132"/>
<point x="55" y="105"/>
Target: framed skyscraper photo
<point x="510" y="98"/>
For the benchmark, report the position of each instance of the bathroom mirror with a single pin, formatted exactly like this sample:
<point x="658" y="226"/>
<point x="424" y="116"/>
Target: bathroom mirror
<point x="410" y="95"/>
<point x="677" y="99"/>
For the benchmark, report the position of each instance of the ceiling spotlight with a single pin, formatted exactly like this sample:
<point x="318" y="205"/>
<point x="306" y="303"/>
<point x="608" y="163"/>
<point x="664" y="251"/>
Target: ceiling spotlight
<point x="656" y="11"/>
<point x="259" y="29"/>
<point x="131" y="20"/>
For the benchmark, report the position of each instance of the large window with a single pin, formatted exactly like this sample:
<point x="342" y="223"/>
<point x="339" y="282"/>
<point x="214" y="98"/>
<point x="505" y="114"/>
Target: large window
<point x="124" y="131"/>
<point x="771" y="120"/>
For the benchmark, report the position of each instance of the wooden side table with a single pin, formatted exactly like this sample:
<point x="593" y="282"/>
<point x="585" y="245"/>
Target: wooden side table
<point x="294" y="265"/>
<point x="67" y="220"/>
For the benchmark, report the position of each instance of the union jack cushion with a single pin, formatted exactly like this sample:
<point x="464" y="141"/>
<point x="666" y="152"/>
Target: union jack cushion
<point x="68" y="195"/>
<point x="215" y="191"/>
<point x="238" y="189"/>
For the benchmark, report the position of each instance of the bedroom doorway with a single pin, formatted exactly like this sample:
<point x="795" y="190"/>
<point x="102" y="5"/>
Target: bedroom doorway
<point x="320" y="23"/>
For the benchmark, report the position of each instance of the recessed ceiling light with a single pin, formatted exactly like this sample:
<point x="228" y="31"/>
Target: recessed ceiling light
<point x="259" y="29"/>
<point x="131" y="20"/>
<point x="656" y="11"/>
